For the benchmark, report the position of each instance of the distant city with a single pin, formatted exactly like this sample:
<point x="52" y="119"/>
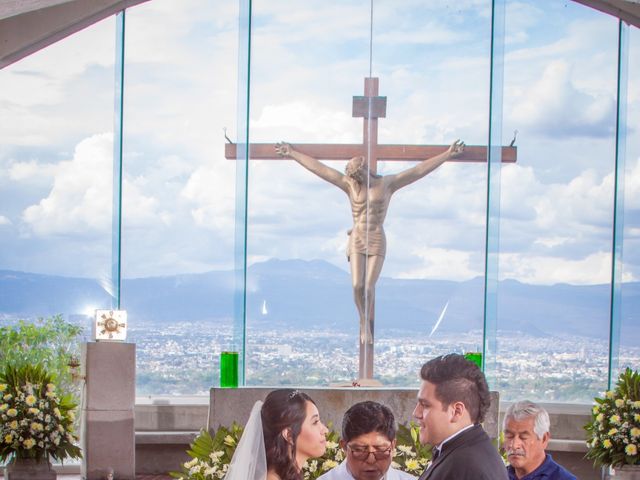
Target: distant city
<point x="183" y="359"/>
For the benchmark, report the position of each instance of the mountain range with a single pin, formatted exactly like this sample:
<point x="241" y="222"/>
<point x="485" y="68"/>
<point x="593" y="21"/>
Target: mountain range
<point x="295" y="294"/>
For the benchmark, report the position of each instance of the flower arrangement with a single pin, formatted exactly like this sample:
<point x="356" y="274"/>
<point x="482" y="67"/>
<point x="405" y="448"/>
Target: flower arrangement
<point x="36" y="421"/>
<point x="614" y="428"/>
<point x="210" y="456"/>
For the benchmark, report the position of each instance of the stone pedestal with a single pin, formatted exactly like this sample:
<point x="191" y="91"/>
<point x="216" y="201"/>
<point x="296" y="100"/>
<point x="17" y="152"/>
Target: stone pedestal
<point x="108" y="434"/>
<point x="29" y="469"/>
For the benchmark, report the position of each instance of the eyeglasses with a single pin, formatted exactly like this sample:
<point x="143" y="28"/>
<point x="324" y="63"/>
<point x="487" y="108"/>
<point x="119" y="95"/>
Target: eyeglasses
<point x="360" y="452"/>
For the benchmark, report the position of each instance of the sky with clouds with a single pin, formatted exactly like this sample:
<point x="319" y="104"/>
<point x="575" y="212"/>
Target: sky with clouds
<point x="308" y="60"/>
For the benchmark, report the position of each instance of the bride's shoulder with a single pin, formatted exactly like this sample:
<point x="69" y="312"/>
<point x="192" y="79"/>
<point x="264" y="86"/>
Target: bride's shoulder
<point x="271" y="475"/>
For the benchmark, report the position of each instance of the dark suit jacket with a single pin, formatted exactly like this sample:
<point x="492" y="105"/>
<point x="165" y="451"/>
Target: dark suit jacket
<point x="468" y="456"/>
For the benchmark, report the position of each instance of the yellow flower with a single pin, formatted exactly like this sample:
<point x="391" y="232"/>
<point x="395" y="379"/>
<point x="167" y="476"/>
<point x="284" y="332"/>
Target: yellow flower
<point x="29" y="443"/>
<point x="635" y="432"/>
<point x="619" y="403"/>
<point x="12" y="412"/>
<point x="631" y="449"/>
<point x="228" y="440"/>
<point x="13" y="425"/>
<point x="50" y="387"/>
<point x="609" y="394"/>
<point x="600" y="417"/>
<point x="57" y="413"/>
<point x="36" y="427"/>
<point x="3" y="387"/>
<point x="331" y="445"/>
<point x="71" y="416"/>
<point x="33" y="411"/>
<point x="636" y="417"/>
<point x="3" y="407"/>
<point x="612" y="432"/>
<point x="606" y="443"/>
<point x="7" y="397"/>
<point x="595" y="409"/>
<point x="412" y="464"/>
<point x="8" y="438"/>
<point x="30" y="400"/>
<point x="636" y="404"/>
<point x="615" y="419"/>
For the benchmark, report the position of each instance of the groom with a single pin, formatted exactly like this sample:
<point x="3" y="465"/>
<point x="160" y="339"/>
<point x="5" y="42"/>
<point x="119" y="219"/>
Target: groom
<point x="452" y="402"/>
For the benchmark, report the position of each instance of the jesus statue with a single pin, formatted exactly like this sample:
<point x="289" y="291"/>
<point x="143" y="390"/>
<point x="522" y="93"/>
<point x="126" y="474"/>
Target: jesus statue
<point x="369" y="195"/>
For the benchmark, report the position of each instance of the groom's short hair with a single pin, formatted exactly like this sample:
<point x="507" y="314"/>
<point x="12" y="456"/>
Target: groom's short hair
<point x="367" y="417"/>
<point x="458" y="380"/>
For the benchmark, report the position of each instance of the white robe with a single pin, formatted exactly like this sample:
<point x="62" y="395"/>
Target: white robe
<point x="341" y="473"/>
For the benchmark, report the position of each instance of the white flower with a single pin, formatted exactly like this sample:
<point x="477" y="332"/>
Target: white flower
<point x="406" y="450"/>
<point x="329" y="464"/>
<point x="215" y="456"/>
<point x="191" y="463"/>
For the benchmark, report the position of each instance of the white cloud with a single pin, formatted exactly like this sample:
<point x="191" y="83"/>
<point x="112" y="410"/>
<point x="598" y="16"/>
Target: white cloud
<point x="212" y="196"/>
<point x="554" y="106"/>
<point x="443" y="264"/>
<point x="4" y="220"/>
<point x="32" y="171"/>
<point x="80" y="201"/>
<point x="592" y="269"/>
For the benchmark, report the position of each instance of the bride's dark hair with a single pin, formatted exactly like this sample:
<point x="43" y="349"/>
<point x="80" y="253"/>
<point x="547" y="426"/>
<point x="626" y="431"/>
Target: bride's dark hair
<point x="283" y="409"/>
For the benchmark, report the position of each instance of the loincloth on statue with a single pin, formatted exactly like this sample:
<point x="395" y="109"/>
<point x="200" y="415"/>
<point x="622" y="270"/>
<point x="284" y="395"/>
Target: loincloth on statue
<point x="366" y="243"/>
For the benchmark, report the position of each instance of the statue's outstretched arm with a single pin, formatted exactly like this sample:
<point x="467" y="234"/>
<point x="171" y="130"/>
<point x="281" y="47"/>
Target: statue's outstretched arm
<point x="329" y="174"/>
<point x="425" y="167"/>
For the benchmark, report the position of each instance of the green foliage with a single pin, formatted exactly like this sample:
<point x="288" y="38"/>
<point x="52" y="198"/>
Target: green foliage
<point x="210" y="456"/>
<point x="49" y="342"/>
<point x="36" y="420"/>
<point x="614" y="428"/>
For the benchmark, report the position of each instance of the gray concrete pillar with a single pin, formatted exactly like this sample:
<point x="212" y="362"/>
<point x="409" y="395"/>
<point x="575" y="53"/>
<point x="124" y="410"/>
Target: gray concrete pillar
<point x="108" y="434"/>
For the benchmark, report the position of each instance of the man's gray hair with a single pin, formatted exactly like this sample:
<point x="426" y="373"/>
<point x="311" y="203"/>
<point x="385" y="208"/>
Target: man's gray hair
<point x="524" y="409"/>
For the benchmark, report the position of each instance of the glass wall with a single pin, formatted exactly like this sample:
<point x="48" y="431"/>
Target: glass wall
<point x="180" y="70"/>
<point x="556" y="214"/>
<point x="56" y="151"/>
<point x="629" y="326"/>
<point x="192" y="94"/>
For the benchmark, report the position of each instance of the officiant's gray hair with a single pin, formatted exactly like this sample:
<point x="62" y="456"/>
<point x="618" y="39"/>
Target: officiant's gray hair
<point x="525" y="409"/>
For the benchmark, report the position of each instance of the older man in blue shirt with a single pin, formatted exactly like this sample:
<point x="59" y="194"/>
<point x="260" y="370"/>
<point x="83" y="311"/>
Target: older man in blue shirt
<point x="526" y="436"/>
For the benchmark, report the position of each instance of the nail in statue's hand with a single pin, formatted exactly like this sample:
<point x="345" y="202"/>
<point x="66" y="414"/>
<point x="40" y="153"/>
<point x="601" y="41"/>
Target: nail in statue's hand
<point x="283" y="149"/>
<point x="456" y="148"/>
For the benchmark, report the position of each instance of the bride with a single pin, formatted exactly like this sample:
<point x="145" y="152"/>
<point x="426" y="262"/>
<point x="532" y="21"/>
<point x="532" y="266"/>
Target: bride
<point x="281" y="434"/>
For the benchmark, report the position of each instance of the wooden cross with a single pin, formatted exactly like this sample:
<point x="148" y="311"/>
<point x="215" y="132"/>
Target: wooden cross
<point x="370" y="107"/>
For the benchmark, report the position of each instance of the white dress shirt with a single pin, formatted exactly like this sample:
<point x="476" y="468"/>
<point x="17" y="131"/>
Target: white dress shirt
<point x="341" y="472"/>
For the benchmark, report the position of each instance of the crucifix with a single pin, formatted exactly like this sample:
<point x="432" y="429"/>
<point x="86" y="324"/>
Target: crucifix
<point x="369" y="193"/>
